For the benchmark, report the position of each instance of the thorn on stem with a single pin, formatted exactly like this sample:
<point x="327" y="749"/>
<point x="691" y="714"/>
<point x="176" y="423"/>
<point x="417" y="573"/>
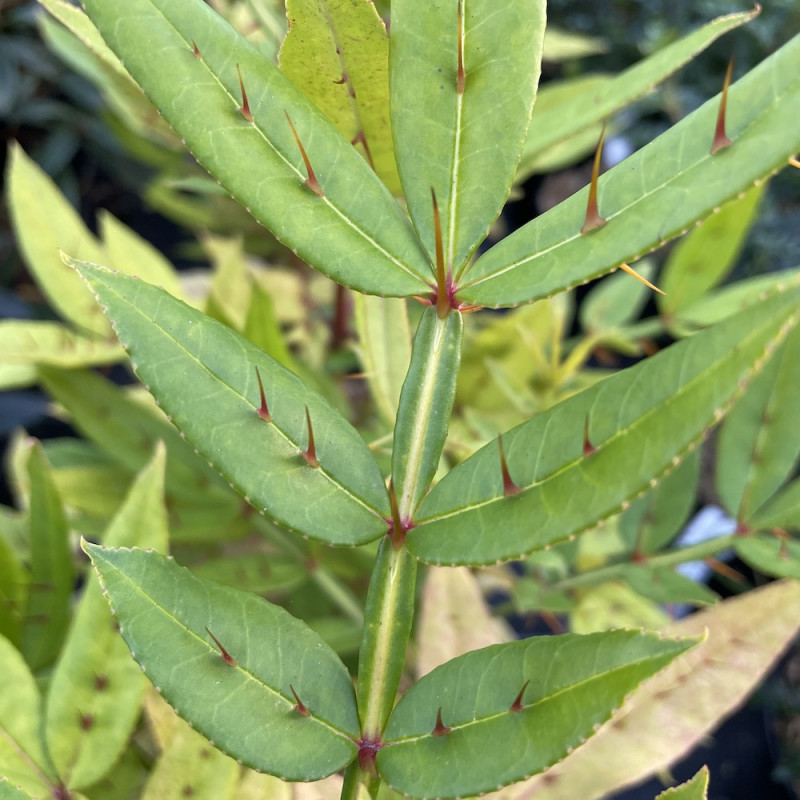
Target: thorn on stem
<point x="195" y="49"/>
<point x="461" y="77"/>
<point x="631" y="271"/>
<point x="310" y="453"/>
<point x="509" y="487"/>
<point x="721" y="140"/>
<point x="517" y="704"/>
<point x="263" y="410"/>
<point x="440" y="729"/>
<point x="300" y="707"/>
<point x="593" y="219"/>
<point x="311" y="181"/>
<point x="245" y="107"/>
<point x="226" y="656"/>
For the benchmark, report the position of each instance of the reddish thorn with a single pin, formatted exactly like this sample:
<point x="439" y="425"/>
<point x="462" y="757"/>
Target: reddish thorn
<point x="721" y="140"/>
<point x="310" y="453"/>
<point x="517" y="704"/>
<point x="461" y="77"/>
<point x="440" y="729"/>
<point x="86" y="721"/>
<point x="300" y="708"/>
<point x="311" y="181"/>
<point x="509" y="487"/>
<point x="426" y="301"/>
<point x="245" y="107"/>
<point x="593" y="219"/>
<point x="588" y="447"/>
<point x="188" y="790"/>
<point x="226" y="656"/>
<point x="742" y="529"/>
<point x="195" y="50"/>
<point x="442" y="278"/>
<point x="263" y="411"/>
<point x="638" y="557"/>
<point x="397" y="531"/>
<point x="632" y="272"/>
<point x="723" y="569"/>
<point x="100" y="682"/>
<point x="342" y="80"/>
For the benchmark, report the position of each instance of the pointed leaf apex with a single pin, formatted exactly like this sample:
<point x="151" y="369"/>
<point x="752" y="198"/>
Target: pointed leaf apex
<point x="593" y="219"/>
<point x="226" y="656"/>
<point x="300" y="707"/>
<point x="310" y="453"/>
<point x="245" y="107"/>
<point x="509" y="487"/>
<point x="721" y="140"/>
<point x="263" y="410"/>
<point x="440" y="729"/>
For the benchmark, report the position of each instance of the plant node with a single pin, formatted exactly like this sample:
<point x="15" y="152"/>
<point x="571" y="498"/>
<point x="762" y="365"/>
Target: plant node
<point x="367" y="751"/>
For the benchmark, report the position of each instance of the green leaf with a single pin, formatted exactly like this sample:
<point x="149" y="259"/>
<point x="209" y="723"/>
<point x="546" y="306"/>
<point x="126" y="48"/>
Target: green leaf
<point x="654" y="520"/>
<point x="782" y="511"/>
<point x="694" y="789"/>
<point x="165" y="613"/>
<point x="262" y="329"/>
<point x="703" y="258"/>
<point x="760" y="441"/>
<point x="337" y="52"/>
<point x="52" y="571"/>
<point x="613" y="604"/>
<point x="384" y="348"/>
<point x="26" y="342"/>
<point x="21" y="758"/>
<point x="778" y="556"/>
<point x="745" y="637"/>
<point x="96" y="689"/>
<point x="666" y="586"/>
<point x="654" y="195"/>
<point x="260" y="573"/>
<point x="574" y="683"/>
<point x="204" y="376"/>
<point x="13" y="589"/>
<point x="9" y="792"/>
<point x="551" y="125"/>
<point x="641" y="422"/>
<point x="259" y="161"/>
<point x="425" y="403"/>
<point x="188" y="767"/>
<point x="463" y="146"/>
<point x="45" y="222"/>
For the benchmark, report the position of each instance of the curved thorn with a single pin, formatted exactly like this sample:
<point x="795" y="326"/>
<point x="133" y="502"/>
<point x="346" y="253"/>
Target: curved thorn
<point x="245" y="107"/>
<point x="440" y="729"/>
<point x="263" y="411"/>
<point x="720" y="138"/>
<point x="226" y="656"/>
<point x="631" y="271"/>
<point x="310" y="453"/>
<point x="311" y="181"/>
<point x="300" y="708"/>
<point x="461" y="77"/>
<point x="509" y="487"/>
<point x="517" y="704"/>
<point x="593" y="219"/>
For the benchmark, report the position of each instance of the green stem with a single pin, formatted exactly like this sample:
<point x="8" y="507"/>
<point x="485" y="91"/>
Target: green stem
<point x="674" y="557"/>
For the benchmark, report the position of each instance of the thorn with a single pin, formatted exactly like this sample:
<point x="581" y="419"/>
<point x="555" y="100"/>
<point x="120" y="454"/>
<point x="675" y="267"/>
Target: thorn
<point x="245" y="107"/>
<point x="442" y="300"/>
<point x="593" y="219"/>
<point x="263" y="411"/>
<point x="794" y="162"/>
<point x="311" y="181"/>
<point x="300" y="708"/>
<point x="226" y="656"/>
<point x="100" y="682"/>
<point x="509" y="487"/>
<point x="341" y="80"/>
<point x="86" y="721"/>
<point x="310" y="453"/>
<point x="196" y="51"/>
<point x="631" y="271"/>
<point x="440" y="729"/>
<point x="425" y="301"/>
<point x="588" y="447"/>
<point x="517" y="704"/>
<point x="461" y="77"/>
<point x="397" y="531"/>
<point x="721" y="141"/>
